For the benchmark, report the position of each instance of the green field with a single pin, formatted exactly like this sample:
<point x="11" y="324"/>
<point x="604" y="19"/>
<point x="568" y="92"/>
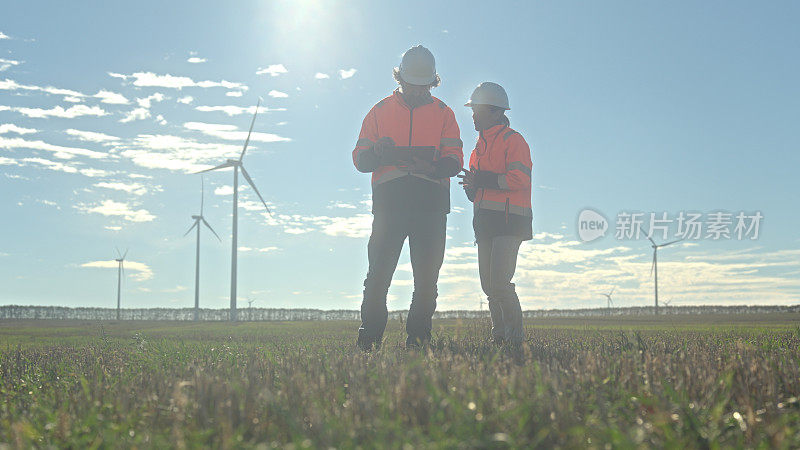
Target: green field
<point x="624" y="382"/>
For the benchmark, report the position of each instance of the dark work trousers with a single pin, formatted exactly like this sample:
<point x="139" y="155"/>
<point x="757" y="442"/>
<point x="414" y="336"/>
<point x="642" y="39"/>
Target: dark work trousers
<point x="426" y="240"/>
<point x="497" y="261"/>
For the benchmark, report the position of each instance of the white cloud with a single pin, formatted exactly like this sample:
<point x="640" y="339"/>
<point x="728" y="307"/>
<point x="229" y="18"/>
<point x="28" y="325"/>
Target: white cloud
<point x="277" y="94"/>
<point x="11" y="85"/>
<point x="175" y="153"/>
<point x="345" y="74"/>
<point x="111" y="98"/>
<point x="131" y="188"/>
<point x="144" y="271"/>
<point x="117" y="75"/>
<point x="73" y="99"/>
<point x="136" y="114"/>
<point x="11" y="128"/>
<point x="196" y="60"/>
<point x="149" y="79"/>
<point x="223" y="190"/>
<point x="58" y="151"/>
<point x="234" y="94"/>
<point x="161" y="120"/>
<point x="112" y="208"/>
<point x="268" y="249"/>
<point x="273" y="69"/>
<point x="5" y="64"/>
<point x="229" y="133"/>
<point x="186" y="100"/>
<point x="58" y="166"/>
<point x="146" y="102"/>
<point x="91" y="136"/>
<point x="321" y="76"/>
<point x="58" y="111"/>
<point x="4" y="36"/>
<point x="112" y="228"/>
<point x="236" y="110"/>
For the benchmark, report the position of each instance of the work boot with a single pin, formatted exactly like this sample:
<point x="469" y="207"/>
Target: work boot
<point x="417" y="342"/>
<point x="367" y="343"/>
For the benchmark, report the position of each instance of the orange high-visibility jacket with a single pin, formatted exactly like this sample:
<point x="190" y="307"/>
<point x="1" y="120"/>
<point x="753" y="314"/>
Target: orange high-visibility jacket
<point x="503" y="151"/>
<point x="431" y="124"/>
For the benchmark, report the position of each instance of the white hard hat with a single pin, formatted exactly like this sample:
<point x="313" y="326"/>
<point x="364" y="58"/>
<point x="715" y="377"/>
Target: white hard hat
<point x="418" y="66"/>
<point x="488" y="93"/>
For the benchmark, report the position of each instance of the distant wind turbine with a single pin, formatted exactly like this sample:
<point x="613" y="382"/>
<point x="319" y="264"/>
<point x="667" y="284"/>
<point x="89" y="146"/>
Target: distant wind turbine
<point x="197" y="221"/>
<point x="654" y="267"/>
<point x="120" y="272"/>
<point x="238" y="165"/>
<point x="608" y="296"/>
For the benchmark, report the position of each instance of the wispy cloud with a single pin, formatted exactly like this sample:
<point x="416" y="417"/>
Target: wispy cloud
<point x="11" y="128"/>
<point x="6" y="64"/>
<point x="136" y="114"/>
<point x="131" y="188"/>
<point x="91" y="136"/>
<point x="150" y="79"/>
<point x="147" y="101"/>
<point x="277" y="94"/>
<point x="117" y="209"/>
<point x="273" y="70"/>
<point x="11" y="85"/>
<point x="186" y="100"/>
<point x="58" y="151"/>
<point x="111" y="98"/>
<point x="4" y="36"/>
<point x="174" y="152"/>
<point x="57" y="166"/>
<point x="234" y="94"/>
<point x="236" y="110"/>
<point x="345" y="74"/>
<point x="144" y="271"/>
<point x="321" y="76"/>
<point x="58" y="111"/>
<point x="196" y="60"/>
<point x="230" y="133"/>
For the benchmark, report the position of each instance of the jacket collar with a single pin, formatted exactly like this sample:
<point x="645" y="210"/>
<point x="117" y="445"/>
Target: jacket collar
<point x="398" y="97"/>
<point x="493" y="130"/>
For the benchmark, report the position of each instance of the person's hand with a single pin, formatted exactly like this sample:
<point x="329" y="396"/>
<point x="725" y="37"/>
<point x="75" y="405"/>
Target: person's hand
<point x="385" y="143"/>
<point x="467" y="179"/>
<point x="421" y="166"/>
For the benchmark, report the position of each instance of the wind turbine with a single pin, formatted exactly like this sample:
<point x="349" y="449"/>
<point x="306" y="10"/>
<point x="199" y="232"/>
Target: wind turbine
<point x="608" y="296"/>
<point x="197" y="221"/>
<point x="238" y="165"/>
<point x="120" y="272"/>
<point x="654" y="267"/>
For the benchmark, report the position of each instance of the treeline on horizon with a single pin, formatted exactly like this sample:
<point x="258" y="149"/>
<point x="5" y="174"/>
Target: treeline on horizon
<point x="301" y="314"/>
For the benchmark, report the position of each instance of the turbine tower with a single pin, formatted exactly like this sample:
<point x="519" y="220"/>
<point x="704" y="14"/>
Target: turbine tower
<point x="120" y="272"/>
<point x="197" y="223"/>
<point x="654" y="267"/>
<point x="237" y="166"/>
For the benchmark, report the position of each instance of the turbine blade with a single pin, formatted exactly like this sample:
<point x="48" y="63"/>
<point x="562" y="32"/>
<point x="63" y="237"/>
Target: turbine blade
<point x="671" y="242"/>
<point x="221" y="166"/>
<point x="646" y="235"/>
<point x="250" y="180"/>
<point x="119" y="255"/>
<point x="247" y="141"/>
<point x="125" y="254"/>
<point x="190" y="228"/>
<point x="612" y="290"/>
<point x="209" y="227"/>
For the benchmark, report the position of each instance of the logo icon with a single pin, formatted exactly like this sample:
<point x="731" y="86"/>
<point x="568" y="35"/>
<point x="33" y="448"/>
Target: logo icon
<point x="591" y="225"/>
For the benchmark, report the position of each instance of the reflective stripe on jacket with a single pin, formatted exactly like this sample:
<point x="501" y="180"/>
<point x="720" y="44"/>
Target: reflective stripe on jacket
<point x="504" y="151"/>
<point x="431" y="124"/>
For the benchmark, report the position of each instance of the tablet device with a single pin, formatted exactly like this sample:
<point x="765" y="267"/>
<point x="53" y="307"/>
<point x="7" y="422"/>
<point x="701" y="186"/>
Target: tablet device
<point x="403" y="155"/>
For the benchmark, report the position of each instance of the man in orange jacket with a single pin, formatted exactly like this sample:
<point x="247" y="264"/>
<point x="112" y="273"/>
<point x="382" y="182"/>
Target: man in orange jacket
<point x="409" y="200"/>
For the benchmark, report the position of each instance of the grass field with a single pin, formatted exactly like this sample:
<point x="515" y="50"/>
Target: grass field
<point x="623" y="382"/>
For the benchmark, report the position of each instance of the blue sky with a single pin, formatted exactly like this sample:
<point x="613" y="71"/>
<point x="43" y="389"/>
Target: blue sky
<point x="107" y="109"/>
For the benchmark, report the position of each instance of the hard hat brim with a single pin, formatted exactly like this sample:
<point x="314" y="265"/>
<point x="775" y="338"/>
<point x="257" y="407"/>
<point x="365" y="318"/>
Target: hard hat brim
<point x="417" y="81"/>
<point x="470" y="105"/>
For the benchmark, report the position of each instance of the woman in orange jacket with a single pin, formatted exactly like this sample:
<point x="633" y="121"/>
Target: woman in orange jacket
<point x="498" y="183"/>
